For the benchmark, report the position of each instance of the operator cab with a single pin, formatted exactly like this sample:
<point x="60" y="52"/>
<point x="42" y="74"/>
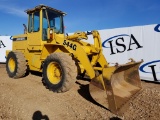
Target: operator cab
<point x="46" y="20"/>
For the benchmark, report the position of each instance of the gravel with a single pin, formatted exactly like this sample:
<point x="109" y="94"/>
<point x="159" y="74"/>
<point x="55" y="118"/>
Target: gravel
<point x="26" y="98"/>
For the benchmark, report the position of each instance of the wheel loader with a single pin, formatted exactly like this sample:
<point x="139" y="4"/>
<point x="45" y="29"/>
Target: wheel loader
<point x="61" y="58"/>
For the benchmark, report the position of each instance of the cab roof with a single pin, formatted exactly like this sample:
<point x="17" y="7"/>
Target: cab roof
<point x="44" y="7"/>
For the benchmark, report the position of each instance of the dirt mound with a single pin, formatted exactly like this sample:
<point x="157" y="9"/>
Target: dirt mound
<point x="26" y="98"/>
<point x="146" y="105"/>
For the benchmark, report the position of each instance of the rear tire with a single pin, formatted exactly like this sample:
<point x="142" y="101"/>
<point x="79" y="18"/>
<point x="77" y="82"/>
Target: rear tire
<point x="59" y="72"/>
<point x="16" y="64"/>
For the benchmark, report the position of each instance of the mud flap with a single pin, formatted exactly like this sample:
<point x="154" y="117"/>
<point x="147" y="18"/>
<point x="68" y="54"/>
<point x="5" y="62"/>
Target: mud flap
<point x="116" y="86"/>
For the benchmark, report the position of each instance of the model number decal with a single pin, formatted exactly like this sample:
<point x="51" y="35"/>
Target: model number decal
<point x="71" y="45"/>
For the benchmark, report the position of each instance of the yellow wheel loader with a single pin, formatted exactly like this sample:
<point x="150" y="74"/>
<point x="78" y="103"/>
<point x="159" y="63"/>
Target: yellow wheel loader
<point x="61" y="58"/>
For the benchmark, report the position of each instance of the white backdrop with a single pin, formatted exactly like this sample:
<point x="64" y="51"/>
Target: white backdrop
<point x="5" y="44"/>
<point x="139" y="42"/>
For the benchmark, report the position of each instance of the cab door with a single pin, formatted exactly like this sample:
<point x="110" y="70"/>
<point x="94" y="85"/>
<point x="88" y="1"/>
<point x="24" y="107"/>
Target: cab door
<point x="34" y="34"/>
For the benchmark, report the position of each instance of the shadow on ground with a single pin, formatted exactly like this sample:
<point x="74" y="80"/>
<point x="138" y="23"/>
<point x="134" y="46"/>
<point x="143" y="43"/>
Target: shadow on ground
<point x="84" y="92"/>
<point x="36" y="73"/>
<point x="115" y="118"/>
<point x="37" y="115"/>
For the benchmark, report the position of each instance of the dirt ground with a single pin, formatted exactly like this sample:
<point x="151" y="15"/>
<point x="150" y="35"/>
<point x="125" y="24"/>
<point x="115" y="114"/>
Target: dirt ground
<point x="26" y="99"/>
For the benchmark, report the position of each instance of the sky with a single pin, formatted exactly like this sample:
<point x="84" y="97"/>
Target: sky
<point x="82" y="15"/>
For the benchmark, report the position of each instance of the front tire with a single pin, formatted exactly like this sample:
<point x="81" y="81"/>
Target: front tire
<point x="16" y="64"/>
<point x="59" y="72"/>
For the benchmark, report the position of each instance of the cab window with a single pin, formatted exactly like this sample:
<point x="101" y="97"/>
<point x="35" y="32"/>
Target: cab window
<point x="34" y="22"/>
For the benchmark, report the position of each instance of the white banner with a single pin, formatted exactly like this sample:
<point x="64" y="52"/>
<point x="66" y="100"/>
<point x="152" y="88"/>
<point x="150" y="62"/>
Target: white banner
<point x="5" y="44"/>
<point x="140" y="42"/>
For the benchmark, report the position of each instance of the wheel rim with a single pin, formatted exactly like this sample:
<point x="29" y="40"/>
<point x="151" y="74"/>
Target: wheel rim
<point x="54" y="72"/>
<point x="11" y="64"/>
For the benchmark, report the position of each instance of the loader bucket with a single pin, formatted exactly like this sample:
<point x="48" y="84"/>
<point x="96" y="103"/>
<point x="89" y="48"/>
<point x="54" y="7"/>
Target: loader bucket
<point x="116" y="86"/>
